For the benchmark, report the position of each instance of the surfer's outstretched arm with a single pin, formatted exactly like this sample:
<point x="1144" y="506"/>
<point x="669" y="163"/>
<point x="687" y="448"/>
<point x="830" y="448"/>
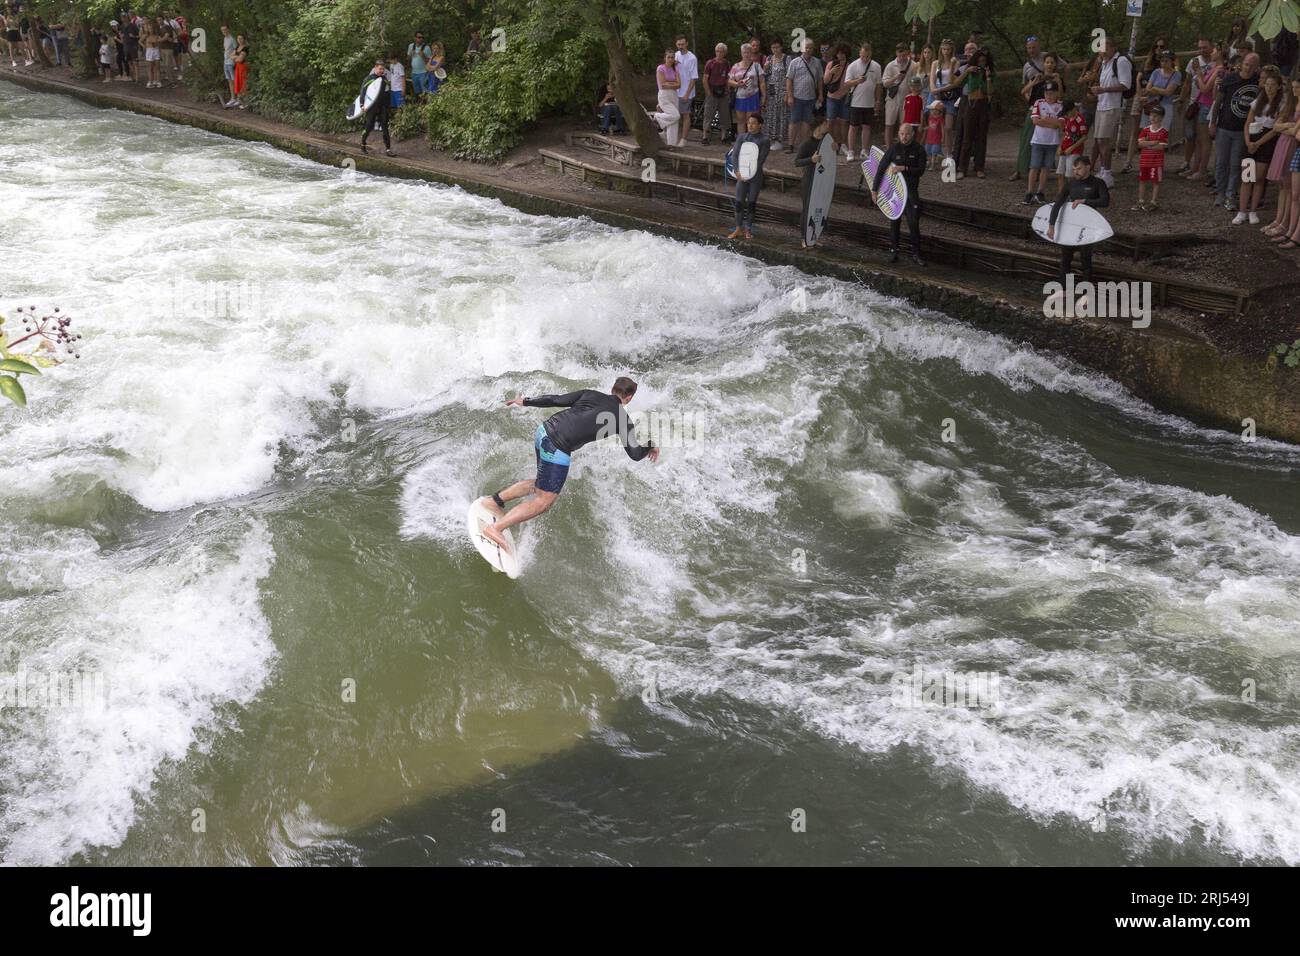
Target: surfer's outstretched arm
<point x="551" y="401"/>
<point x="634" y="450"/>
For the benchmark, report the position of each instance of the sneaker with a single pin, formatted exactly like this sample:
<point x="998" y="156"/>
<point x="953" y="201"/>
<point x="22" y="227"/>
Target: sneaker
<point x="389" y="152"/>
<point x="1105" y="176"/>
<point x="1028" y="200"/>
<point x="1253" y="219"/>
<point x="1039" y="198"/>
<point x="893" y="255"/>
<point x="776" y="144"/>
<point x="849" y="156"/>
<point x="1230" y="205"/>
<point x="1239" y="219"/>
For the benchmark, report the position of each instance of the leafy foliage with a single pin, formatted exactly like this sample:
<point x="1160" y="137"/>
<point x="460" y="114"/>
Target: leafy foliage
<point x="47" y="335"/>
<point x="547" y="62"/>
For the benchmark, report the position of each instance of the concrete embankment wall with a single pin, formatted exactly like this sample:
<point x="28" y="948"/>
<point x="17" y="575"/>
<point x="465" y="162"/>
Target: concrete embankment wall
<point x="1173" y="372"/>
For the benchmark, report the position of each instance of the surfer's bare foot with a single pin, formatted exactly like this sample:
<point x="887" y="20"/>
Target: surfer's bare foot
<point x="496" y="537"/>
<point x="734" y="234"/>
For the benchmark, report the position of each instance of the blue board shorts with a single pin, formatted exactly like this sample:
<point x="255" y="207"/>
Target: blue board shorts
<point x="552" y="464"/>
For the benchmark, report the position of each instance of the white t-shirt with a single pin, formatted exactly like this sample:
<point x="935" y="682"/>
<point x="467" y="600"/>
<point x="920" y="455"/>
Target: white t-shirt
<point x="864" y="94"/>
<point x="892" y="70"/>
<point x="1116" y="71"/>
<point x="688" y="69"/>
<point x="1046" y="135"/>
<point x="397" y="77"/>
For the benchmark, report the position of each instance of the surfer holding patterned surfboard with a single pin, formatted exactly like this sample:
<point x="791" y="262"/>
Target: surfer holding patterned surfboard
<point x="906" y="158"/>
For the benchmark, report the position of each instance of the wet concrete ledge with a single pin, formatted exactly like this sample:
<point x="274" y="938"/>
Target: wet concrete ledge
<point x="1173" y="372"/>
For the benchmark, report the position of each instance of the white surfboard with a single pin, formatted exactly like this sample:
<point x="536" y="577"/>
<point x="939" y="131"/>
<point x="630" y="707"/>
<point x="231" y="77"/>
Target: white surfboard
<point x="746" y="164"/>
<point x="823" y="191"/>
<point x="501" y="560"/>
<point x="366" y="98"/>
<point x="1080" y="226"/>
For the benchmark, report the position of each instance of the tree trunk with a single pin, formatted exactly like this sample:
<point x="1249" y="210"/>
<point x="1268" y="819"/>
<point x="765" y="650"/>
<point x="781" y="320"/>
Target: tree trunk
<point x="89" y="53"/>
<point x="622" y="74"/>
<point x="41" y="56"/>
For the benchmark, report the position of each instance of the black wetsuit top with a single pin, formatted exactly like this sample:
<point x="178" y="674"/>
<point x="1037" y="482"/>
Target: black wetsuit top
<point x="590" y="415"/>
<point x="1091" y="190"/>
<point x="910" y="160"/>
<point x="380" y="107"/>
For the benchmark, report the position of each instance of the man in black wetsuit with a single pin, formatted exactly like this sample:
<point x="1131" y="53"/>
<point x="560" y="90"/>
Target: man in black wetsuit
<point x="908" y="157"/>
<point x="377" y="115"/>
<point x="589" y="415"/>
<point x="1083" y="188"/>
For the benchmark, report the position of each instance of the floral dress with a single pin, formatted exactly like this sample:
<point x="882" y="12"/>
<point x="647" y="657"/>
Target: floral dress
<point x="776" y="118"/>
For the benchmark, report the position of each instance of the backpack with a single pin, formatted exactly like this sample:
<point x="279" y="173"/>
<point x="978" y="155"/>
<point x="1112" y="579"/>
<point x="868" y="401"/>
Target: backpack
<point x="1132" y="75"/>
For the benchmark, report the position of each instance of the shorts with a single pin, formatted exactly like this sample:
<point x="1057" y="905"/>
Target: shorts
<point x="1295" y="162"/>
<point x="152" y="55"/>
<point x="552" y="464"/>
<point x="1151" y="174"/>
<point x="950" y="106"/>
<point x="178" y="48"/>
<point x="12" y="36"/>
<point x="933" y="149"/>
<point x="1203" y="114"/>
<point x="837" y="109"/>
<point x="1107" y="124"/>
<point x="1065" y="164"/>
<point x="894" y="108"/>
<point x="684" y="105"/>
<point x="396" y="99"/>
<point x="749" y="104"/>
<point x="1042" y="156"/>
<point x="862" y="115"/>
<point x="230" y="71"/>
<point x="801" y="112"/>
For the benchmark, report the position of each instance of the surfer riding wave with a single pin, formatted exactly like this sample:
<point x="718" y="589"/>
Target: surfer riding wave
<point x="588" y="416"/>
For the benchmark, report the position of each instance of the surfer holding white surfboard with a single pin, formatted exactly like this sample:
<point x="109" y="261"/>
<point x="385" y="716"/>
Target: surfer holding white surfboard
<point x="905" y="156"/>
<point x="1084" y="189"/>
<point x="748" y="154"/>
<point x="808" y="158"/>
<point x="588" y="416"/>
<point x="373" y="105"/>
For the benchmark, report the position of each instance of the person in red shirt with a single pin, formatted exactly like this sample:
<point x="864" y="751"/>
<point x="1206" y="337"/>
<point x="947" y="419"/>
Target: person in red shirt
<point x="1153" y="141"/>
<point x="717" y="95"/>
<point x="913" y="104"/>
<point x="1074" y="130"/>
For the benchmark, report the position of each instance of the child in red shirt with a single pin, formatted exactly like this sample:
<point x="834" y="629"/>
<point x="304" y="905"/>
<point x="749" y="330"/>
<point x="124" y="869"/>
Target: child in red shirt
<point x="912" y="103"/>
<point x="1074" y="130"/>
<point x="934" y="133"/>
<point x="1153" y="141"/>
